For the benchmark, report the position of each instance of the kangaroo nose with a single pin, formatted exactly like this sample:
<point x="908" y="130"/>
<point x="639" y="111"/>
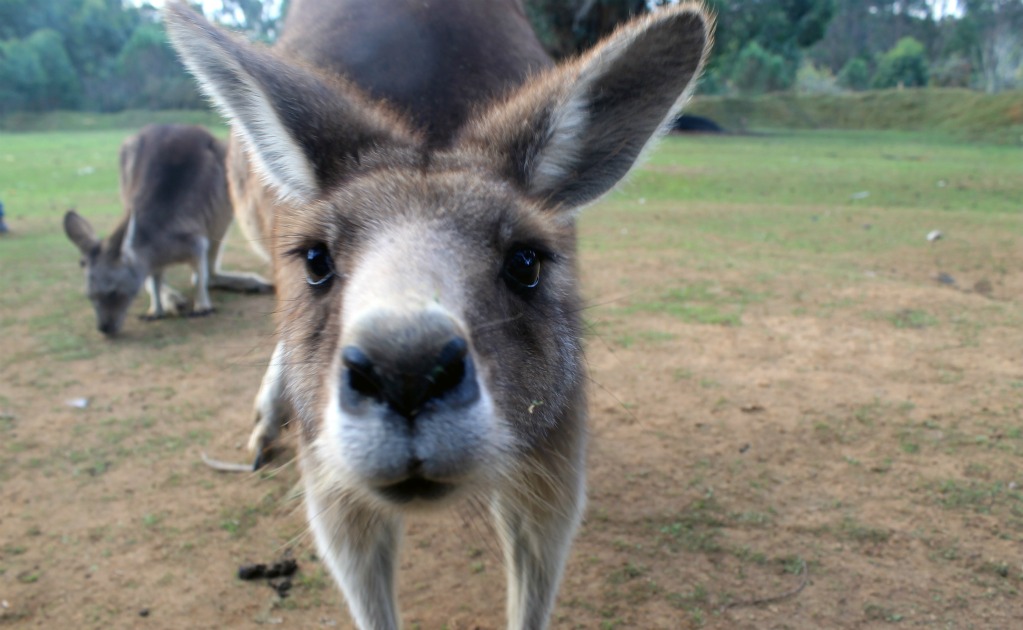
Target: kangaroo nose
<point x="107" y="328"/>
<point x="414" y="381"/>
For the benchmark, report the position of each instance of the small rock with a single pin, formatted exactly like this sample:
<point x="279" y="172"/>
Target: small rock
<point x="78" y="403"/>
<point x="944" y="278"/>
<point x="983" y="286"/>
<point x="144" y="612"/>
<point x="863" y="194"/>
<point x="934" y="235"/>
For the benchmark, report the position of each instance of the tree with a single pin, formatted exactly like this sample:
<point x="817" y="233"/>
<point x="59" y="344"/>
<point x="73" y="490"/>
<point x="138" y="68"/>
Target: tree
<point x="869" y="28"/>
<point x="905" y="65"/>
<point x="60" y="87"/>
<point x="855" y="74"/>
<point x="566" y="27"/>
<point x="756" y="71"/>
<point x="258" y="18"/>
<point x="781" y="30"/>
<point x="21" y="75"/>
<point x="994" y="31"/>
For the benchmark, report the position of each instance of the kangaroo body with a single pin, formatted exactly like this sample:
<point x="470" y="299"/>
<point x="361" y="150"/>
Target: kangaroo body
<point x="177" y="211"/>
<point x="423" y="241"/>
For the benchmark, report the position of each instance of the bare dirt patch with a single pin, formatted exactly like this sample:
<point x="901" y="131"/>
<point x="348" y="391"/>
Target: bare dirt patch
<point x="760" y="419"/>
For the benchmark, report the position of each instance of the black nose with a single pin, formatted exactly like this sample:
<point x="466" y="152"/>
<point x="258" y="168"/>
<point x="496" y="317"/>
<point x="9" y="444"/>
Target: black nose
<point x="411" y="382"/>
<point x="107" y="328"/>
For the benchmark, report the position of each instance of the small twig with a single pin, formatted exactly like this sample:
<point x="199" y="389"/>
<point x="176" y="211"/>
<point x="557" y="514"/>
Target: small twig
<point x="804" y="571"/>
<point x="226" y="466"/>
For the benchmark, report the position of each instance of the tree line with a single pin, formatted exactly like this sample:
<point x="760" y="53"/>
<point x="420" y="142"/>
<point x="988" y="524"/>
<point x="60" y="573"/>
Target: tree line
<point x="110" y="55"/>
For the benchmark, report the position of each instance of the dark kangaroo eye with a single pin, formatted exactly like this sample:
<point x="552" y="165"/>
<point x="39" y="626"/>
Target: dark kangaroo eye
<point x="522" y="269"/>
<point x="319" y="268"/>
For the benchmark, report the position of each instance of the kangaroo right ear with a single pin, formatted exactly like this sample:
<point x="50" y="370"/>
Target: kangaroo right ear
<point x="303" y="131"/>
<point x="80" y="232"/>
<point x="571" y="135"/>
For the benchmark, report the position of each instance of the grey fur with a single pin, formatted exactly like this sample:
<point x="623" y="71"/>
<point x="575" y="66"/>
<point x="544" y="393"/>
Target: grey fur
<point x="419" y="221"/>
<point x="174" y="191"/>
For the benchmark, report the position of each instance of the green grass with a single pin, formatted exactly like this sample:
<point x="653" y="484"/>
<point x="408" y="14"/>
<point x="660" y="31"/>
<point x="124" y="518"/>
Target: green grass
<point x="812" y="180"/>
<point x="712" y="242"/>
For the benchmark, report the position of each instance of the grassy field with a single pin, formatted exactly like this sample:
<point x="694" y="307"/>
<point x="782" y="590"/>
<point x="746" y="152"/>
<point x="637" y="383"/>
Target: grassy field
<point x="805" y="413"/>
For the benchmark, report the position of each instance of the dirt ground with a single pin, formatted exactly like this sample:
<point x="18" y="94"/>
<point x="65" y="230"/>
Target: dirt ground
<point x="795" y="445"/>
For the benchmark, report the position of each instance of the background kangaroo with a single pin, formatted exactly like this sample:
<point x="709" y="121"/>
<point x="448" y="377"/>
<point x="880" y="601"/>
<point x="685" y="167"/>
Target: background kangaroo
<point x="174" y="191"/>
<point x="429" y="335"/>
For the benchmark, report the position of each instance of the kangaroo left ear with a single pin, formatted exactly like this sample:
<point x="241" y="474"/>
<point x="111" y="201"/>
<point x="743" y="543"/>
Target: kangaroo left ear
<point x="80" y="232"/>
<point x="303" y="131"/>
<point x="569" y="136"/>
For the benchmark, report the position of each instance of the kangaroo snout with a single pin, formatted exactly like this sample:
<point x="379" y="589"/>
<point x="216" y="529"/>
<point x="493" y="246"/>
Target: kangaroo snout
<point x="409" y="364"/>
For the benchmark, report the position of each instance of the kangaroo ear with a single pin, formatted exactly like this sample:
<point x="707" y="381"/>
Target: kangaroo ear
<point x="303" y="131"/>
<point x="569" y="136"/>
<point x="80" y="232"/>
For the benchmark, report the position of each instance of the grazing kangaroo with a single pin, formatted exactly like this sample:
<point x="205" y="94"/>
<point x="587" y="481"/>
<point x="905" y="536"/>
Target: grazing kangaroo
<point x="174" y="190"/>
<point x="428" y="308"/>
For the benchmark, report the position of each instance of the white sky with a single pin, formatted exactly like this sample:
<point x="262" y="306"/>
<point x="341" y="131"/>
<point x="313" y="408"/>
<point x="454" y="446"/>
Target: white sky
<point x="210" y="7"/>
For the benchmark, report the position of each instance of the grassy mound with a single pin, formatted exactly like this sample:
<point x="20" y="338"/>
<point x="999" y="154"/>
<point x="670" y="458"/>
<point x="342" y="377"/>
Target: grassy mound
<point x="960" y="113"/>
<point x="86" y="121"/>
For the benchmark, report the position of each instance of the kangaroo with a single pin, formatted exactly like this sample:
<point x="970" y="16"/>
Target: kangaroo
<point x="174" y="190"/>
<point x="429" y="336"/>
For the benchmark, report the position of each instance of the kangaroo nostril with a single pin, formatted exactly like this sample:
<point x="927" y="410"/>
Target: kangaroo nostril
<point x="449" y="371"/>
<point x="361" y="376"/>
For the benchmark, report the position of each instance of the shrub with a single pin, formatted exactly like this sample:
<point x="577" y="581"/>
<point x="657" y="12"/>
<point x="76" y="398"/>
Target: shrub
<point x="905" y="65"/>
<point x="813" y="80"/>
<point x="855" y="75"/>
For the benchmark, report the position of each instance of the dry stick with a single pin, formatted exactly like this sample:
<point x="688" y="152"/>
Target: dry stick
<point x="221" y="466"/>
<point x="805" y="572"/>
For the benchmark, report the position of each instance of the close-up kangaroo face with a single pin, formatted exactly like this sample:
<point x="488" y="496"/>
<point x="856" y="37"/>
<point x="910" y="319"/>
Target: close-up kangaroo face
<point x="429" y="341"/>
<point x="426" y="310"/>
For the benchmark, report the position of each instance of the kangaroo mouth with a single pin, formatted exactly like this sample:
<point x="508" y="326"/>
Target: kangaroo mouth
<point x="416" y="488"/>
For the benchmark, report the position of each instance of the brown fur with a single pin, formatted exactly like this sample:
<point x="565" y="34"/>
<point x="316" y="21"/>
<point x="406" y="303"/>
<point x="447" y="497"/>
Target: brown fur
<point x="423" y="358"/>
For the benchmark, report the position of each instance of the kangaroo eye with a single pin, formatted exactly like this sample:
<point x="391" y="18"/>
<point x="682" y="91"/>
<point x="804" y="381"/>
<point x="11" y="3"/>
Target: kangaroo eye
<point x="319" y="268"/>
<point x="522" y="269"/>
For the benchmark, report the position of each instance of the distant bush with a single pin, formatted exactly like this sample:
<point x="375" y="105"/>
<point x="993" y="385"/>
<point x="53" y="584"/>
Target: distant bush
<point x="905" y="65"/>
<point x="855" y="75"/>
<point x="813" y="80"/>
<point x="757" y="71"/>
